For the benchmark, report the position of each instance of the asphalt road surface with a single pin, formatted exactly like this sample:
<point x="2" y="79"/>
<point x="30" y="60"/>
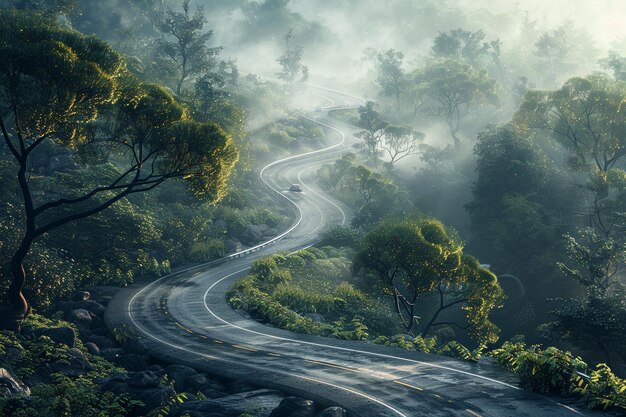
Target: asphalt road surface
<point x="185" y="318"/>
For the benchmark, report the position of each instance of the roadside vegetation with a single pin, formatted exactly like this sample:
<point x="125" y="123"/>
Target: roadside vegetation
<point x="487" y="184"/>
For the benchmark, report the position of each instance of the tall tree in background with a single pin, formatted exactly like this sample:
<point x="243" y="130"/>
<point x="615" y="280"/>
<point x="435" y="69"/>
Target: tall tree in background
<point x="49" y="8"/>
<point x="390" y="74"/>
<point x="185" y="44"/>
<point x="400" y="142"/>
<point x="373" y="131"/>
<point x="59" y="86"/>
<point x="291" y="64"/>
<point x="462" y="44"/>
<point x="456" y="90"/>
<point x="586" y="116"/>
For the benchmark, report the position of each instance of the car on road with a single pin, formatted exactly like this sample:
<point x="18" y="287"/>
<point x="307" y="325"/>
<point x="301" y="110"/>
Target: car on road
<point x="295" y="187"/>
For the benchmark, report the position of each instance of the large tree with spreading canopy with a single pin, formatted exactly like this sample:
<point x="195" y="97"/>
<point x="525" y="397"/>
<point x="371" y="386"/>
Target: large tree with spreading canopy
<point x="59" y="86"/>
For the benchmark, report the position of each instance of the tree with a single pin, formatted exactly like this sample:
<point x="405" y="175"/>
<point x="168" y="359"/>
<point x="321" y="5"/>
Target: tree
<point x="456" y="90"/>
<point x="595" y="261"/>
<point x="411" y="259"/>
<point x="400" y="142"/>
<point x="291" y="63"/>
<point x="462" y="44"/>
<point x="374" y="129"/>
<point x="586" y="116"/>
<point x="596" y="322"/>
<point x="390" y="75"/>
<point x="214" y="99"/>
<point x="567" y="50"/>
<point x="59" y="86"/>
<point x="616" y="63"/>
<point x="188" y="49"/>
<point x="49" y="8"/>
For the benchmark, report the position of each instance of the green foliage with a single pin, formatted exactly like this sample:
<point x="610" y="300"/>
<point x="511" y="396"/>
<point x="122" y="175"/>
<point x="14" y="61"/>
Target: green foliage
<point x="373" y="195"/>
<point x="596" y="261"/>
<point x="595" y="320"/>
<point x="341" y="236"/>
<point x="164" y="409"/>
<point x="124" y="333"/>
<point x="552" y="371"/>
<point x="547" y="371"/>
<point x="29" y="359"/>
<point x="291" y="64"/>
<point x="602" y="388"/>
<point x="456" y="350"/>
<point x="413" y="258"/>
<point x="284" y="289"/>
<point x="65" y="396"/>
<point x="456" y="90"/>
<point x="184" y="45"/>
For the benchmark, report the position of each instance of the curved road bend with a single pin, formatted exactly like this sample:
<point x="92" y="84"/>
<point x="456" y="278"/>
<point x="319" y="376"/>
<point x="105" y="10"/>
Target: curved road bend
<point x="186" y="319"/>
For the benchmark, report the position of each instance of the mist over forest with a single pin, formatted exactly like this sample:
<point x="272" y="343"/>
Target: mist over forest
<point x="465" y="162"/>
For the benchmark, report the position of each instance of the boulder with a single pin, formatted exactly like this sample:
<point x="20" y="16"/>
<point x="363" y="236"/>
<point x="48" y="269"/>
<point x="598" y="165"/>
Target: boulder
<point x="103" y="342"/>
<point x="332" y="412"/>
<point x="77" y="364"/>
<point x="65" y="335"/>
<point x="294" y="407"/>
<point x="40" y="162"/>
<point x="135" y="345"/>
<point x="180" y="375"/>
<point x="96" y="322"/>
<point x="237" y="386"/>
<point x="104" y="300"/>
<point x="144" y="379"/>
<point x="111" y="353"/>
<point x="150" y="397"/>
<point x="10" y="387"/>
<point x="119" y="377"/>
<point x="131" y="362"/>
<point x="92" y="348"/>
<point x="211" y="393"/>
<point x="194" y="383"/>
<point x="261" y="401"/>
<point x="157" y="369"/>
<point x="62" y="163"/>
<point x="80" y="317"/>
<point x="81" y="296"/>
<point x="89" y="305"/>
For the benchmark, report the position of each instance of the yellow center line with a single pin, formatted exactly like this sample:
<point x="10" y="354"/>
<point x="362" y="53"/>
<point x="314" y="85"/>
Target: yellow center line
<point x="331" y="365"/>
<point x="404" y="384"/>
<point x="244" y="348"/>
<point x="184" y="328"/>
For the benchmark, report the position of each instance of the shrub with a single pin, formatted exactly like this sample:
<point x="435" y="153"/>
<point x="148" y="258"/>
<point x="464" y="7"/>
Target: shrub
<point x="547" y="371"/>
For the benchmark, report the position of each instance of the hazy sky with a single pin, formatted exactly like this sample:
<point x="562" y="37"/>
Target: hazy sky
<point x="349" y="26"/>
<point x="604" y="19"/>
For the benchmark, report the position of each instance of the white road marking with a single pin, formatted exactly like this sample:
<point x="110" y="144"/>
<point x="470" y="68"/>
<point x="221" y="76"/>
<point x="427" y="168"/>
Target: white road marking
<point x="342" y="135"/>
<point x="380" y="355"/>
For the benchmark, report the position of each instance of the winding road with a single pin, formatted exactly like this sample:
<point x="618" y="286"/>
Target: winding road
<point x="186" y="319"/>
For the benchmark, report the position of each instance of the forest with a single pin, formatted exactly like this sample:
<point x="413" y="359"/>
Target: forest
<point x="465" y="163"/>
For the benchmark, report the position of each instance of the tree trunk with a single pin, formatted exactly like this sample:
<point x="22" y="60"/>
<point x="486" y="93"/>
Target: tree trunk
<point x="455" y="138"/>
<point x="18" y="307"/>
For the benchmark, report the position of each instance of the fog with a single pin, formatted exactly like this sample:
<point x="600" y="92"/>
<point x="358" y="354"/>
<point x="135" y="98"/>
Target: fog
<point x="335" y="33"/>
